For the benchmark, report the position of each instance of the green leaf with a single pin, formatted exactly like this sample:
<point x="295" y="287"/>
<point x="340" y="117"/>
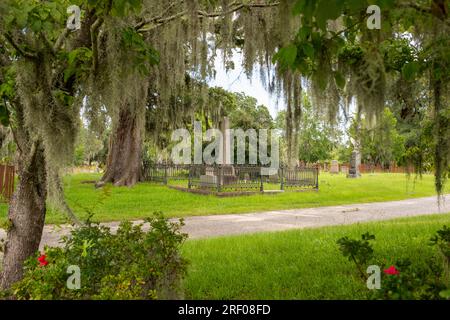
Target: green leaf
<point x="304" y="33"/>
<point x="118" y="8"/>
<point x="56" y="14"/>
<point x="356" y="5"/>
<point x="36" y="26"/>
<point x="289" y="54"/>
<point x="21" y="19"/>
<point x="43" y="14"/>
<point x="299" y="7"/>
<point x="445" y="294"/>
<point x="306" y="8"/>
<point x="340" y="80"/>
<point x="410" y="70"/>
<point x="47" y="26"/>
<point x="4" y="115"/>
<point x="308" y="49"/>
<point x="385" y="4"/>
<point x="328" y="10"/>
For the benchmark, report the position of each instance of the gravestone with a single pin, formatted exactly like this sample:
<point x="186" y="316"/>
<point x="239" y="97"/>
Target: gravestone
<point x="227" y="175"/>
<point x="344" y="169"/>
<point x="226" y="147"/>
<point x="355" y="161"/>
<point x="334" y="168"/>
<point x="209" y="179"/>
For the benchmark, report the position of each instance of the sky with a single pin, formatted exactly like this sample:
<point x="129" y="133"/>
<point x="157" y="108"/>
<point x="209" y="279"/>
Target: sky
<point x="236" y="81"/>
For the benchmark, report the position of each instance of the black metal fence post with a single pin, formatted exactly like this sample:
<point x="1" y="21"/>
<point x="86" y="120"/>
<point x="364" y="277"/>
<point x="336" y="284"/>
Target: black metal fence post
<point x="219" y="177"/>
<point x="317" y="177"/>
<point x="261" y="187"/>
<point x="190" y="177"/>
<point x="165" y="174"/>
<point x="282" y="178"/>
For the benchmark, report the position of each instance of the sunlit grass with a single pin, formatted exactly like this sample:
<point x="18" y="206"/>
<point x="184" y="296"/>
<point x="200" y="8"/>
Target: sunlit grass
<point x="140" y="201"/>
<point x="301" y="264"/>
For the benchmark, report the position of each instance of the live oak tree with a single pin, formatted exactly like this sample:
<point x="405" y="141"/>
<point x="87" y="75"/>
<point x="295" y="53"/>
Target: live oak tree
<point x="44" y="67"/>
<point x="346" y="62"/>
<point x="187" y="35"/>
<point x="111" y="65"/>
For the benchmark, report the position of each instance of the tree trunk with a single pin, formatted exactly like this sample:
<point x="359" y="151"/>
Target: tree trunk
<point x="26" y="214"/>
<point x="124" y="162"/>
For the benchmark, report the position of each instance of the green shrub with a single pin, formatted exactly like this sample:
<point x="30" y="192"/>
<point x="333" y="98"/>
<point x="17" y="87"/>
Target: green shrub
<point x="402" y="279"/>
<point x="358" y="251"/>
<point x="129" y="264"/>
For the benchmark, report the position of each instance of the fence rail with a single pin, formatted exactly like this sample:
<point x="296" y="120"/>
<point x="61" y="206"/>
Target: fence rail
<point x="164" y="173"/>
<point x="223" y="178"/>
<point x="6" y="182"/>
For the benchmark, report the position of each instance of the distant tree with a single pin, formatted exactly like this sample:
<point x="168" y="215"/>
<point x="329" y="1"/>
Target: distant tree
<point x="247" y="114"/>
<point x="317" y="138"/>
<point x="381" y="144"/>
<point x="88" y="146"/>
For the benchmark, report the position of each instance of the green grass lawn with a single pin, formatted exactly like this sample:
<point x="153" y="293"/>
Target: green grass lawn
<point x="140" y="201"/>
<point x="301" y="264"/>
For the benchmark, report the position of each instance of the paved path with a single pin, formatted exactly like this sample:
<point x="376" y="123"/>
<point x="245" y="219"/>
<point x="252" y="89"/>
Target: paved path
<point x="233" y="224"/>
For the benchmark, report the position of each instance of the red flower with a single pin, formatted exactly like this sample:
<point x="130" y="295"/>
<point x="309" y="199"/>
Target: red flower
<point x="391" y="270"/>
<point x="42" y="261"/>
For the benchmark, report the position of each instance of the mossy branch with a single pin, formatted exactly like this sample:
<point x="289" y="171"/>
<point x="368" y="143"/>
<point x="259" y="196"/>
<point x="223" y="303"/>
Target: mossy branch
<point x="23" y="52"/>
<point x="158" y="21"/>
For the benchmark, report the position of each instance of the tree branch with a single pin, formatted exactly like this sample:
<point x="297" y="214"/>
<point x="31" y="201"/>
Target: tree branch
<point x="435" y="13"/>
<point x="60" y="40"/>
<point x="236" y="8"/>
<point x="22" y="52"/>
<point x="415" y="7"/>
<point x="144" y="22"/>
<point x="158" y="21"/>
<point x="94" y="41"/>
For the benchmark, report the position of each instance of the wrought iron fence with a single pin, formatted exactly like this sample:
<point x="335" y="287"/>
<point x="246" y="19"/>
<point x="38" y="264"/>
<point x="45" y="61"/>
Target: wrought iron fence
<point x="222" y="178"/>
<point x="300" y="177"/>
<point x="166" y="172"/>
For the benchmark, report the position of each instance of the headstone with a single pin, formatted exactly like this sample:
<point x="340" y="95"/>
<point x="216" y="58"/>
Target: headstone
<point x="334" y="168"/>
<point x="355" y="161"/>
<point x="208" y="180"/>
<point x="344" y="169"/>
<point x="227" y="175"/>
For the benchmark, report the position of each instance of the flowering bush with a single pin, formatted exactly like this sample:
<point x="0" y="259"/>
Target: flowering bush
<point x="391" y="271"/>
<point x="130" y="264"/>
<point x="403" y="280"/>
<point x="42" y="260"/>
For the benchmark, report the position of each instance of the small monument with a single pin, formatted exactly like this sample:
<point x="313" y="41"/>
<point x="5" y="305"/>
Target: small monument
<point x="226" y="147"/>
<point x="334" y="168"/>
<point x="355" y="161"/>
<point x="227" y="175"/>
